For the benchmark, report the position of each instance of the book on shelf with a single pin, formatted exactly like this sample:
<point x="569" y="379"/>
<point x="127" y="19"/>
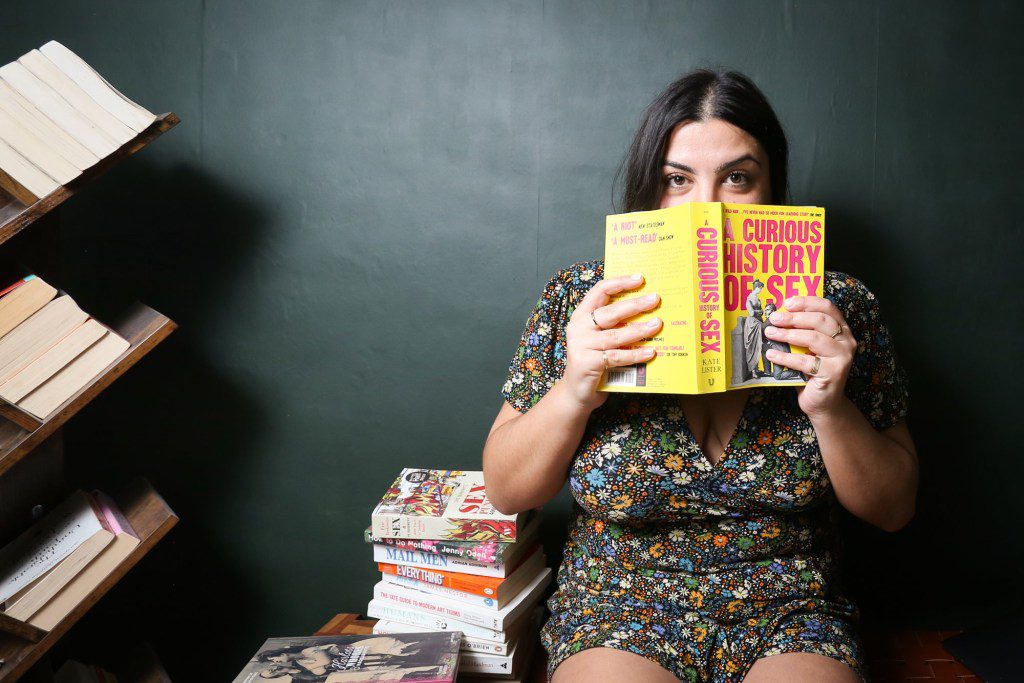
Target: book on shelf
<point x="425" y="657"/>
<point x="58" y="117"/>
<point x="41" y="549"/>
<point x="49" y="348"/>
<point x="720" y="269"/>
<point x="487" y="552"/>
<point x="495" y="619"/>
<point x="442" y="504"/>
<point x="54" y="564"/>
<point x="493" y="592"/>
<point x="79" y="587"/>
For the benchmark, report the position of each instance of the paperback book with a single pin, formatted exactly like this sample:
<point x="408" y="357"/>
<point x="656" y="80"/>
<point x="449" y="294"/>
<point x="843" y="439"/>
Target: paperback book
<point x="720" y="269"/>
<point x="442" y="504"/>
<point x="426" y="657"/>
<point x="487" y="552"/>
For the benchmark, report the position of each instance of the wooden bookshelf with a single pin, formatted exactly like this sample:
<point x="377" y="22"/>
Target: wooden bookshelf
<point x="27" y="482"/>
<point x="151" y="518"/>
<point x="15" y="216"/>
<point x="143" y="327"/>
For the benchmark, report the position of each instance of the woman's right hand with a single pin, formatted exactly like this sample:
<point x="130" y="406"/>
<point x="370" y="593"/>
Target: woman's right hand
<point x="586" y="343"/>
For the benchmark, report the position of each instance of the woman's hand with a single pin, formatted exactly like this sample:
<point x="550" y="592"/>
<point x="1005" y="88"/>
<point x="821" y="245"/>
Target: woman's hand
<point x="810" y="321"/>
<point x="588" y="344"/>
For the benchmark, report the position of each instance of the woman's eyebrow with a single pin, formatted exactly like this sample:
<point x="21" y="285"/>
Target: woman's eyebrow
<point x="728" y="164"/>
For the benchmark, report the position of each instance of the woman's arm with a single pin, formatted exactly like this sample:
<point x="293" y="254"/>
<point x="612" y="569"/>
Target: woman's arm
<point x="526" y="456"/>
<point x="874" y="473"/>
<point x="863" y="437"/>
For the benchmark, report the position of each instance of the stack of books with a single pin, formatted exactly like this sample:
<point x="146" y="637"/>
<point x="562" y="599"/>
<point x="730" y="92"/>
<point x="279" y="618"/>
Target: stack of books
<point x="49" y="347"/>
<point x="58" y="561"/>
<point x="58" y="117"/>
<point x="450" y="562"/>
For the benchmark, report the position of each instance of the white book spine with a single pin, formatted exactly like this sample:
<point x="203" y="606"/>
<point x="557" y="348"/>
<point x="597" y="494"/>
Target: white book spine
<point x="430" y="589"/>
<point x="468" y="644"/>
<point x="488" y="618"/>
<point x="385" y="609"/>
<point x="421" y="558"/>
<point x="435" y="605"/>
<point x="474" y="662"/>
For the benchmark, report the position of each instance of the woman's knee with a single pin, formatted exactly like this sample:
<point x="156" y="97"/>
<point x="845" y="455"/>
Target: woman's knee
<point x="599" y="664"/>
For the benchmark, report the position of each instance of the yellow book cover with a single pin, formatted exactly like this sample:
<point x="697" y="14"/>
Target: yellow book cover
<point x="679" y="252"/>
<point x="720" y="270"/>
<point x="771" y="253"/>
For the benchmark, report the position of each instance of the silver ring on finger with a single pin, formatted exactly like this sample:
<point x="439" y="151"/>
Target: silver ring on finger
<point x="595" y="321"/>
<point x="604" y="359"/>
<point x="817" y="366"/>
<point x="836" y="333"/>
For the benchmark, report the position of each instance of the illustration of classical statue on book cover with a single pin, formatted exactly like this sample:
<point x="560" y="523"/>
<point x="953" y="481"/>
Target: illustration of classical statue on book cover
<point x="750" y="345"/>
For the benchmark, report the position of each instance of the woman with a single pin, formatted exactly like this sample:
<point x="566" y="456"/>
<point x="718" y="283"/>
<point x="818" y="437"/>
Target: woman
<point x="701" y="544"/>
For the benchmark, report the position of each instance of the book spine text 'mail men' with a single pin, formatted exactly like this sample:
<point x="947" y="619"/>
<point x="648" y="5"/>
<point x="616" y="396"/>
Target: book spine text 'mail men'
<point x="720" y="269"/>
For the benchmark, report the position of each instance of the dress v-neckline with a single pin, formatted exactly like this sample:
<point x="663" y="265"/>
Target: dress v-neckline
<point x="741" y="424"/>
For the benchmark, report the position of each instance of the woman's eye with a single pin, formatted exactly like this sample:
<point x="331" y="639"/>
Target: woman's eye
<point x="675" y="180"/>
<point x="737" y="178"/>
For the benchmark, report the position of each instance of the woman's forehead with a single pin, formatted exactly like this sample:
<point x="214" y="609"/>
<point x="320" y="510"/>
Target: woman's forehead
<point x="711" y="143"/>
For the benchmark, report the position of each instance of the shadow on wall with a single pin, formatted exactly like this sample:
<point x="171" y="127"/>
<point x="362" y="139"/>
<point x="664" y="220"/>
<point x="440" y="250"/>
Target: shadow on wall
<point x="174" y="239"/>
<point x="891" y="576"/>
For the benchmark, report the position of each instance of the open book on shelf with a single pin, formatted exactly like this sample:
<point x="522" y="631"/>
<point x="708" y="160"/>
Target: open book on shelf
<point x="58" y="118"/>
<point x="720" y="269"/>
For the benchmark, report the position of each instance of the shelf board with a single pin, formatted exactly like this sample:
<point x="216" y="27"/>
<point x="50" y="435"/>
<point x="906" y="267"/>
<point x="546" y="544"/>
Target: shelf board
<point x="144" y="328"/>
<point x="15" y="216"/>
<point x="151" y="518"/>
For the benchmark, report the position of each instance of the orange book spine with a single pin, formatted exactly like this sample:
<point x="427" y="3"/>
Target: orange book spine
<point x="467" y="583"/>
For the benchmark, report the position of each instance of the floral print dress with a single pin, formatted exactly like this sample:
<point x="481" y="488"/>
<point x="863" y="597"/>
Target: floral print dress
<point x="703" y="568"/>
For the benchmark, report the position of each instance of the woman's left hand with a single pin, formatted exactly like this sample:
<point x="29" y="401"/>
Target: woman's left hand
<point x="811" y="322"/>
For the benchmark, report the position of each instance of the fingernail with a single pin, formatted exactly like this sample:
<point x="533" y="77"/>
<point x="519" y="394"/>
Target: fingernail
<point x="636" y="276"/>
<point x="653" y="322"/>
<point x="771" y="354"/>
<point x="651" y="298"/>
<point x="775" y="317"/>
<point x="788" y="302"/>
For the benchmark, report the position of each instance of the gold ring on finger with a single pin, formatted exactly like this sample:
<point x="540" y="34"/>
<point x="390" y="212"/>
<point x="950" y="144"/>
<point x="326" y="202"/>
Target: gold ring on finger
<point x="595" y="320"/>
<point x="604" y="359"/>
<point x="836" y="334"/>
<point x="817" y="366"/>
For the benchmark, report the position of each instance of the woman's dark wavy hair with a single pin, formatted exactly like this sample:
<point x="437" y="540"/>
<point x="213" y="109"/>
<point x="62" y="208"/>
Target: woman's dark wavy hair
<point x="700" y="95"/>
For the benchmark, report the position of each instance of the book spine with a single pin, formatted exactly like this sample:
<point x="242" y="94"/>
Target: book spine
<point x="385" y="553"/>
<point x="441" y="591"/>
<point x="709" y="313"/>
<point x="428" y="527"/>
<point x="467" y="644"/>
<point x="438" y="605"/>
<point x="385" y="609"/>
<point x="472" y="662"/>
<point x="488" y="552"/>
<point x="485" y="586"/>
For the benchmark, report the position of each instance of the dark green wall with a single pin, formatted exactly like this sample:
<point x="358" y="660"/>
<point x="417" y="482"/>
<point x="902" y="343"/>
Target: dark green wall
<point x="363" y="202"/>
